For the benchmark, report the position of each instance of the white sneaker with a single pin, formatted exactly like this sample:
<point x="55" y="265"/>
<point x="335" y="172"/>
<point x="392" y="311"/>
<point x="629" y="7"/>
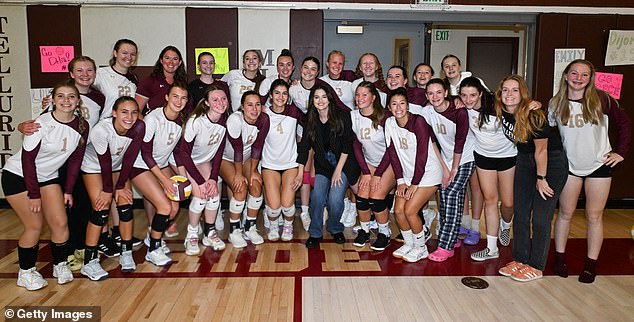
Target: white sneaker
<point x="63" y="273"/>
<point x="267" y="221"/>
<point x="429" y="215"/>
<point x="417" y="253"/>
<point x="94" y="271"/>
<point x="212" y="240"/>
<point x="236" y="239"/>
<point x="158" y="257"/>
<point x="166" y="249"/>
<point x="504" y="235"/>
<point x="274" y="233"/>
<point x="220" y="221"/>
<point x="191" y="245"/>
<point x="305" y="217"/>
<point x="403" y="250"/>
<point x="484" y="254"/>
<point x="127" y="262"/>
<point x="287" y="231"/>
<point x="253" y="235"/>
<point x="31" y="279"/>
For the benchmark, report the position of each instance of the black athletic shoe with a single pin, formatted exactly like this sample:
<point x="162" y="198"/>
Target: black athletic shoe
<point x="109" y="248"/>
<point x="136" y="242"/>
<point x="313" y="242"/>
<point x="399" y="238"/>
<point x="381" y="243"/>
<point x="362" y="238"/>
<point x="339" y="238"/>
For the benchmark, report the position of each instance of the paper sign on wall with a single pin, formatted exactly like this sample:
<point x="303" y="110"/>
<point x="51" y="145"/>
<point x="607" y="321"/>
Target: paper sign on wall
<point x="55" y="59"/>
<point x="563" y="56"/>
<point x="609" y="82"/>
<point x="221" y="56"/>
<point x="620" y="49"/>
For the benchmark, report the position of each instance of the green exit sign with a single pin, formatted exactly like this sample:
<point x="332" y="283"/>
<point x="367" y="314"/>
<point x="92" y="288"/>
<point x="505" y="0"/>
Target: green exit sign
<point x="441" y="35"/>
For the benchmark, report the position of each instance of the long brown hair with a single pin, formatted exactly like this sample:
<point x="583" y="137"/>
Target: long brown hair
<point x="70" y="83"/>
<point x="118" y="45"/>
<point x="258" y="76"/>
<point x="379" y="71"/>
<point x="590" y="104"/>
<point x="378" y="112"/>
<point x="527" y="121"/>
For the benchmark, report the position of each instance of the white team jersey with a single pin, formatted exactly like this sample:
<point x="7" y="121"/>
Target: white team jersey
<point x="238" y="84"/>
<point x="206" y="136"/>
<point x="382" y="95"/>
<point x="104" y="137"/>
<point x="445" y="131"/>
<point x="57" y="142"/>
<point x="112" y="85"/>
<point x="489" y="139"/>
<point x="280" y="146"/>
<point x="165" y="134"/>
<point x="343" y="88"/>
<point x="236" y="127"/>
<point x="454" y="90"/>
<point x="90" y="110"/>
<point x="299" y="96"/>
<point x="405" y="144"/>
<point x="372" y="140"/>
<point x="586" y="144"/>
<point x="415" y="109"/>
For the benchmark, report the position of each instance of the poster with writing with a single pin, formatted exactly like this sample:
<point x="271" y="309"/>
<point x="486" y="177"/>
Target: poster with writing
<point x="609" y="82"/>
<point x="55" y="59"/>
<point x="222" y="59"/>
<point x="563" y="56"/>
<point x="620" y="49"/>
<point x="37" y="95"/>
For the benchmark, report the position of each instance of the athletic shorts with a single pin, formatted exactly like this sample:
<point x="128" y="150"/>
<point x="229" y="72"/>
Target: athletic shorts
<point x="497" y="164"/>
<point x="605" y="171"/>
<point x="12" y="184"/>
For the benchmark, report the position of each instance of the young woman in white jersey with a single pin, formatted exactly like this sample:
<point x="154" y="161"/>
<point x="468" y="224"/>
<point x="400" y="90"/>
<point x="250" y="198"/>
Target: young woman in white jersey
<point x="336" y="78"/>
<point x="197" y="87"/>
<point x="582" y="113"/>
<point x="456" y="141"/>
<point x="417" y="169"/>
<point x="285" y="65"/>
<point x="422" y="74"/>
<point x="451" y="68"/>
<point x="246" y="79"/>
<point x="169" y="68"/>
<point x="115" y="81"/>
<point x="279" y="161"/>
<point x="114" y="145"/>
<point x="31" y="185"/>
<point x="369" y="69"/>
<point x="246" y="130"/>
<point x="151" y="174"/>
<point x="200" y="152"/>
<point x="377" y="177"/>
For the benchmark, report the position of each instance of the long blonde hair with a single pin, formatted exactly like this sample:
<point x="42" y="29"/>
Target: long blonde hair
<point x="591" y="108"/>
<point x="527" y="121"/>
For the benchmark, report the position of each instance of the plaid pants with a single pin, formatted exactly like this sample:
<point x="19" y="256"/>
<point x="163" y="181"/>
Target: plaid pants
<point x="452" y="206"/>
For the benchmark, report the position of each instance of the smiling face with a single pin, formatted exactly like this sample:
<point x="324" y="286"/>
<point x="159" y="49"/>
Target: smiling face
<point x="66" y="99"/>
<point x="335" y="65"/>
<point x="398" y="106"/>
<point x="125" y="56"/>
<point x="83" y="73"/>
<point x="511" y="95"/>
<point x="125" y="114"/>
<point x="309" y="70"/>
<point x="206" y="64"/>
<point x="451" y="67"/>
<point x="436" y="94"/>
<point x="176" y="99"/>
<point x="251" y="108"/>
<point x="320" y="100"/>
<point x="578" y="77"/>
<point x="217" y="102"/>
<point x="423" y="75"/>
<point x="363" y="98"/>
<point x="279" y="96"/>
<point x="369" y="66"/>
<point x="395" y="78"/>
<point x="251" y="61"/>
<point x="170" y="62"/>
<point x="285" y="67"/>
<point x="470" y="97"/>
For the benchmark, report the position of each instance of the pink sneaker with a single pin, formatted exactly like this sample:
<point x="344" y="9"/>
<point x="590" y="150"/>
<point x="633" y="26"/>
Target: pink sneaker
<point x="441" y="255"/>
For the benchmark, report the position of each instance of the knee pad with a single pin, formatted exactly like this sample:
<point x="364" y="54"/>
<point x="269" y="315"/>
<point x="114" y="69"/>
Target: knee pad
<point x="363" y="204"/>
<point x="254" y="202"/>
<point x="235" y="206"/>
<point x="197" y="205"/>
<point x="378" y="205"/>
<point x="213" y="203"/>
<point x="274" y="213"/>
<point x="288" y="212"/>
<point x="125" y="213"/>
<point x="99" y="217"/>
<point x="160" y="222"/>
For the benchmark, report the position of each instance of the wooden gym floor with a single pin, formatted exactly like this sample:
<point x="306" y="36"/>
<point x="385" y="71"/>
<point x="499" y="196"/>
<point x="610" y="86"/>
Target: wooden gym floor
<point x="283" y="281"/>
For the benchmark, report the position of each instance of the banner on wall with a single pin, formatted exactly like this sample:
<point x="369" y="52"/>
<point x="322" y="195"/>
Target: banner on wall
<point x="269" y="41"/>
<point x="620" y="49"/>
<point x="563" y="56"/>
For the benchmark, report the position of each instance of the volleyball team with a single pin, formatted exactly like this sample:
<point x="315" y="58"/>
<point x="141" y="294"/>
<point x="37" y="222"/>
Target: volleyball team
<point x="355" y="144"/>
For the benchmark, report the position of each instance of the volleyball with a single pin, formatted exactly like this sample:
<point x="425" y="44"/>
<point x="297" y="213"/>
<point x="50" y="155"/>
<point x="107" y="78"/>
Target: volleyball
<point x="183" y="188"/>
